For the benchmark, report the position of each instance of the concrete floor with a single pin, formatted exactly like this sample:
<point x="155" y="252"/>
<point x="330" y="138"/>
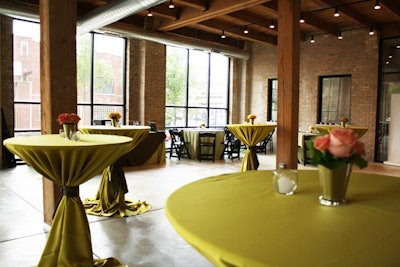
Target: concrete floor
<point x="146" y="240"/>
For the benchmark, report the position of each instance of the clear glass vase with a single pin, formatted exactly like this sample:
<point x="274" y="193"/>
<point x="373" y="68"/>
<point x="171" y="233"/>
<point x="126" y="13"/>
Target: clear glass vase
<point x="69" y="130"/>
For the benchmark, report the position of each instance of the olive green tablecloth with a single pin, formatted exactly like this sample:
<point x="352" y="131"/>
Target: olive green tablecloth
<point x="239" y="220"/>
<point x="251" y="135"/>
<point x="324" y="129"/>
<point x="110" y="198"/>
<point x="69" y="164"/>
<point x="191" y="136"/>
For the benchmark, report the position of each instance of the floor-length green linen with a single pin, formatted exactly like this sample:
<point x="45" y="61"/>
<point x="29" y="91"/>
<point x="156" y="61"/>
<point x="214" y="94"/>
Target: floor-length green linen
<point x="239" y="220"/>
<point x="69" y="164"/>
<point x="192" y="139"/>
<point x="251" y="135"/>
<point x="110" y="198"/>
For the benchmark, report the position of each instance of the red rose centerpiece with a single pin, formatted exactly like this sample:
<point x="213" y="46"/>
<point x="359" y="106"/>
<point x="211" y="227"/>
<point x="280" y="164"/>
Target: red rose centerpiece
<point x="69" y="122"/>
<point x="335" y="153"/>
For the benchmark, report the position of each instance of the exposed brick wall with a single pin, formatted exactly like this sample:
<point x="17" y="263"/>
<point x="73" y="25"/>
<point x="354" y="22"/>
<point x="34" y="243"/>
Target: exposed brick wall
<point x="133" y="81"/>
<point x="146" y="81"/>
<point x="357" y="54"/>
<point x="238" y="97"/>
<point x="6" y="74"/>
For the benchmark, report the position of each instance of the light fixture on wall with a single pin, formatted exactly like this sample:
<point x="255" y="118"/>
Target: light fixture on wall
<point x="339" y="36"/>
<point x="149" y="14"/>
<point x="171" y="4"/>
<point x="272" y="25"/>
<point x="377" y="5"/>
<point x="302" y="18"/>
<point x="336" y="14"/>
<point x="223" y="36"/>
<point x="312" y="39"/>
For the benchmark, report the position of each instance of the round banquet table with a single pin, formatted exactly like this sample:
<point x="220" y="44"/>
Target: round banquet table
<point x="251" y="135"/>
<point x="324" y="129"/>
<point x="110" y="198"/>
<point x="192" y="140"/>
<point x="239" y="220"/>
<point x="69" y="164"/>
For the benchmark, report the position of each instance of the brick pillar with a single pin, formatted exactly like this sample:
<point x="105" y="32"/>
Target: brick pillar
<point x="146" y="82"/>
<point x="57" y="77"/>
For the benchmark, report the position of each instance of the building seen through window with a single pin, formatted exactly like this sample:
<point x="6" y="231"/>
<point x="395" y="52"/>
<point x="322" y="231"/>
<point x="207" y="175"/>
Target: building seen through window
<point x="100" y="77"/>
<point x="197" y="88"/>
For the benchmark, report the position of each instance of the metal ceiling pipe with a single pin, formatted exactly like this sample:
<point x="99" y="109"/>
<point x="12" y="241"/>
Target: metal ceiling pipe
<point x="175" y="40"/>
<point x="27" y="12"/>
<point x="111" y="13"/>
<point x="20" y="11"/>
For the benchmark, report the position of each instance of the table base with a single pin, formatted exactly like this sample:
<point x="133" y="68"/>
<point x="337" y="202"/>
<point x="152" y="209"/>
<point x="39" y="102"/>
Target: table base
<point x="110" y="198"/>
<point x="123" y="208"/>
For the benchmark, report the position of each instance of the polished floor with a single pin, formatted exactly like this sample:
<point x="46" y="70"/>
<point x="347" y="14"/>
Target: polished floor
<point x="144" y="240"/>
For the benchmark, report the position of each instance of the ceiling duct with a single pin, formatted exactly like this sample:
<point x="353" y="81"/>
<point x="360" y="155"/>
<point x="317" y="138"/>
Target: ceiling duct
<point x="29" y="12"/>
<point x="20" y="11"/>
<point x="110" y="13"/>
<point x="175" y="40"/>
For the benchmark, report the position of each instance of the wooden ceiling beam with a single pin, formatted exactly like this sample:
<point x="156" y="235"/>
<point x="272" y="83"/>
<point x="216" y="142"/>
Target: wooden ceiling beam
<point x="272" y="6"/>
<point x="200" y="34"/>
<point x="252" y="36"/>
<point x="251" y="20"/>
<point x="350" y="13"/>
<point x="319" y="24"/>
<point x="196" y="4"/>
<point x="392" y="7"/>
<point x="217" y="8"/>
<point x="165" y="12"/>
<point x="237" y="32"/>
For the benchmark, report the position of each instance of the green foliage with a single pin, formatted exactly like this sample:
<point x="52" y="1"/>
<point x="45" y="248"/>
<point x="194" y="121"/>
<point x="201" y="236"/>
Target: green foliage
<point x="176" y="76"/>
<point x="328" y="160"/>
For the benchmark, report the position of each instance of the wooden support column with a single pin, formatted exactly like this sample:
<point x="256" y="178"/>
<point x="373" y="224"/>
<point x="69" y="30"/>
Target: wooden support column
<point x="288" y="82"/>
<point x="57" y="77"/>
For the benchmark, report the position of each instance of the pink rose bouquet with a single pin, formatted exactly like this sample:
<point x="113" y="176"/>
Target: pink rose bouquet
<point x="341" y="146"/>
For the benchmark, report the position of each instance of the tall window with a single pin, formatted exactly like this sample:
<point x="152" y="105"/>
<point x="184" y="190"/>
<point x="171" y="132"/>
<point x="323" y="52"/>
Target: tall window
<point x="26" y="77"/>
<point x="272" y="100"/>
<point x="100" y="76"/>
<point x="335" y="92"/>
<point x="197" y="88"/>
<point x="389" y="85"/>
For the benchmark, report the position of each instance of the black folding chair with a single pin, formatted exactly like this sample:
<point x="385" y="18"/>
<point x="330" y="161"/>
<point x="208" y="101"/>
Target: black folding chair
<point x="178" y="145"/>
<point x="206" y="149"/>
<point x="232" y="145"/>
<point x="262" y="147"/>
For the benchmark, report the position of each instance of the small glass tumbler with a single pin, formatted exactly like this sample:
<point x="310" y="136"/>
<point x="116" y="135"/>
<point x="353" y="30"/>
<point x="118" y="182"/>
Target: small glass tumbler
<point x="285" y="181"/>
<point x="76" y="136"/>
<point x="62" y="134"/>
